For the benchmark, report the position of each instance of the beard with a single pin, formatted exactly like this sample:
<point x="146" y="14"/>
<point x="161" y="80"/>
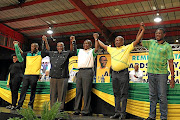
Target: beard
<point x="35" y="50"/>
<point x="160" y="39"/>
<point x="60" y="51"/>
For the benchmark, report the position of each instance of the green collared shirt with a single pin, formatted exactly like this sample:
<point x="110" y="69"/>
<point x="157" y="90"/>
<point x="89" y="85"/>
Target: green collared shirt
<point x="159" y="54"/>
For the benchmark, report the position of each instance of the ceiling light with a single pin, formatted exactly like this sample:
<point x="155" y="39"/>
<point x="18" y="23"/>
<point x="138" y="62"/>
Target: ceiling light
<point x="116" y="10"/>
<point x="158" y="18"/>
<point x="177" y="40"/>
<point x="50" y="31"/>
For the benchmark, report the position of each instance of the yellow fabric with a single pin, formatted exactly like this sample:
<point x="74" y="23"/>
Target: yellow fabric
<point x="103" y="73"/>
<point x="141" y="109"/>
<point x="120" y="56"/>
<point x="71" y="94"/>
<point x="33" y="65"/>
<point x="104" y="96"/>
<point x="8" y="79"/>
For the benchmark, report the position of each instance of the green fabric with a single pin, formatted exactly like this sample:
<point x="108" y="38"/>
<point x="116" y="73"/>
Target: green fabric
<point x="159" y="54"/>
<point x="137" y="91"/>
<point x="94" y="54"/>
<point x="77" y="52"/>
<point x="34" y="54"/>
<point x="18" y="54"/>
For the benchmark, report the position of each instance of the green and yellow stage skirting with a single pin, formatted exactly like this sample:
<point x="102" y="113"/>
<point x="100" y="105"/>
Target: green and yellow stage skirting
<point x="138" y="101"/>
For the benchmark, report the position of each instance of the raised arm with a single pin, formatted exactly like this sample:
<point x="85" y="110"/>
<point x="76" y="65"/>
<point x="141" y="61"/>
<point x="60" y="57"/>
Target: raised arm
<point x="17" y="51"/>
<point x="72" y="43"/>
<point x="44" y="38"/>
<point x="171" y="66"/>
<point x="20" y="51"/>
<point x="103" y="45"/>
<point x="140" y="34"/>
<point x="96" y="36"/>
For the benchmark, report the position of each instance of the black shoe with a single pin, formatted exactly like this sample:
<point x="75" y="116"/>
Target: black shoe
<point x="62" y="119"/>
<point x="8" y="107"/>
<point x="13" y="108"/>
<point x="18" y="107"/>
<point x="122" y="117"/>
<point x="76" y="113"/>
<point x="86" y="114"/>
<point x="61" y="110"/>
<point x="115" y="116"/>
<point x="163" y="119"/>
<point x="150" y="118"/>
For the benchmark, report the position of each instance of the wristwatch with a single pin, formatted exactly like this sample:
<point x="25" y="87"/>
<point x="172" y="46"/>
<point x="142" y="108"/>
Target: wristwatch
<point x="173" y="76"/>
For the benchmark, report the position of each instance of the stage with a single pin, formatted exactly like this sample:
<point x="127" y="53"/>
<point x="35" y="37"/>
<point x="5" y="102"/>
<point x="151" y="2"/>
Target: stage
<point x="103" y="99"/>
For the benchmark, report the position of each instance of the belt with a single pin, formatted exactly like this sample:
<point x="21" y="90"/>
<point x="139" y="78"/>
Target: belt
<point x="84" y="68"/>
<point x="120" y="70"/>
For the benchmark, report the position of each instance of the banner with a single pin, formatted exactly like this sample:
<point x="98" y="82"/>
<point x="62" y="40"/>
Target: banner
<point x="103" y="69"/>
<point x="136" y="58"/>
<point x="73" y="68"/>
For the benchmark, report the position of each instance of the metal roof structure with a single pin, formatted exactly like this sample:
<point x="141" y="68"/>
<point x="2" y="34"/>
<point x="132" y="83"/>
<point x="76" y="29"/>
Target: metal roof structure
<point x="83" y="17"/>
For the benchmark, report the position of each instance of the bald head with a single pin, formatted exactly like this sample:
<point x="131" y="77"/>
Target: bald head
<point x="136" y="67"/>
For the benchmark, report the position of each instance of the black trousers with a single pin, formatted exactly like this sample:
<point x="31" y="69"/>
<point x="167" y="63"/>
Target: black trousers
<point x="83" y="87"/>
<point x="120" y="83"/>
<point x="14" y="86"/>
<point x="32" y="81"/>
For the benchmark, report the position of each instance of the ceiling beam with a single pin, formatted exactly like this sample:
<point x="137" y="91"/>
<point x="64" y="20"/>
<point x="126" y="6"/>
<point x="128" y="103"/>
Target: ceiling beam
<point x="87" y="13"/>
<point x="141" y="13"/>
<point x="116" y="3"/>
<point x="23" y="5"/>
<point x="103" y="18"/>
<point x="146" y="24"/>
<point x="113" y="28"/>
<point x="73" y="10"/>
<point x="66" y="33"/>
<point x="40" y="16"/>
<point x="53" y="25"/>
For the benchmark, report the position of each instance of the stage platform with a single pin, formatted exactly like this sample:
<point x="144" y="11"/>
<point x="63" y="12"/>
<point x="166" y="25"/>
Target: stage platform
<point x="6" y="114"/>
<point x="103" y="99"/>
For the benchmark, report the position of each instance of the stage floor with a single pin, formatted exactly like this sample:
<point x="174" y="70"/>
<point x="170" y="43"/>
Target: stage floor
<point x="6" y="113"/>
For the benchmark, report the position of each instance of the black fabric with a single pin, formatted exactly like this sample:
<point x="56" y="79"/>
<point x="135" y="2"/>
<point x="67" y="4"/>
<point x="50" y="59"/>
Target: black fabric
<point x="16" y="71"/>
<point x="59" y="63"/>
<point x="14" y="86"/>
<point x="32" y="81"/>
<point x="120" y="83"/>
<point x="16" y="74"/>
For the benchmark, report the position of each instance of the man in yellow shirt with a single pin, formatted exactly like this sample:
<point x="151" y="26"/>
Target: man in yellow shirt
<point x="120" y="74"/>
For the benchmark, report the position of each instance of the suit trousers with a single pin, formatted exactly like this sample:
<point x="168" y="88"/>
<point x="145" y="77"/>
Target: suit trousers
<point x="28" y="80"/>
<point x="120" y="83"/>
<point x="14" y="86"/>
<point x="56" y="91"/>
<point x="83" y="87"/>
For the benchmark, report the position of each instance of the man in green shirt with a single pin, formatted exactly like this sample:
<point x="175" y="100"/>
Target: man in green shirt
<point x="160" y="52"/>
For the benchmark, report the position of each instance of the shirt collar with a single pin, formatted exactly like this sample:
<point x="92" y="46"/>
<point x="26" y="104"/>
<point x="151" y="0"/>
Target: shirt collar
<point x="162" y="42"/>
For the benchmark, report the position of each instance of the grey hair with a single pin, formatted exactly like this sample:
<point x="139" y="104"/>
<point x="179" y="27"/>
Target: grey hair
<point x="61" y="43"/>
<point x="89" y="41"/>
<point x="120" y="37"/>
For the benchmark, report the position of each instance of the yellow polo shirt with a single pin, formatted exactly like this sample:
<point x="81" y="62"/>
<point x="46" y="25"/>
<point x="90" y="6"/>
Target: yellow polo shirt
<point x="120" y="56"/>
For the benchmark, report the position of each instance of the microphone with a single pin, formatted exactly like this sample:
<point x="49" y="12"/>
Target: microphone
<point x="73" y="42"/>
<point x="52" y="38"/>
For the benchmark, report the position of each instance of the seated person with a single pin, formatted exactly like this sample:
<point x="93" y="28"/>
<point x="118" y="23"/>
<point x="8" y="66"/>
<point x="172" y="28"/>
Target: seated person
<point x="45" y="77"/>
<point x="136" y="75"/>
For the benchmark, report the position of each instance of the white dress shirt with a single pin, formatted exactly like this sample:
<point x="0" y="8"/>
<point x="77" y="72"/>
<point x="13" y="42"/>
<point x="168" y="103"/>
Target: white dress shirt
<point x="139" y="74"/>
